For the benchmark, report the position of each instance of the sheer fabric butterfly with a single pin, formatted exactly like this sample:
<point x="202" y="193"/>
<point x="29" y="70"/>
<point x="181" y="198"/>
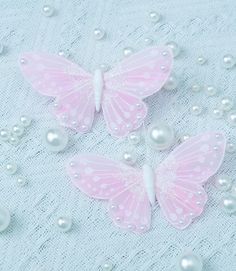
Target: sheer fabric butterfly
<point x="118" y="92"/>
<point x="176" y="183"/>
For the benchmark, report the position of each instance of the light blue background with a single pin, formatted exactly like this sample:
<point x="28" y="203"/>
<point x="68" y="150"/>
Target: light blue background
<point x="32" y="242"/>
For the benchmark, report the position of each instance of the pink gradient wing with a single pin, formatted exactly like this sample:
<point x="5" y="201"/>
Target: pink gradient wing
<point x="102" y="178"/>
<point x="142" y="74"/>
<point x="52" y="75"/>
<point x="122" y="112"/>
<point x="180" y="177"/>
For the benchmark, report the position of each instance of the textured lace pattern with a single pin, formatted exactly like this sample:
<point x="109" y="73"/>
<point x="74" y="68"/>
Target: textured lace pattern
<point x="32" y="242"/>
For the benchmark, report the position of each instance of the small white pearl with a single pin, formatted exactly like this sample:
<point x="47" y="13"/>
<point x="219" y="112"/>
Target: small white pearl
<point x="25" y="120"/>
<point x="108" y="266"/>
<point x="134" y="138"/>
<point x="21" y="181"/>
<point x="18" y="130"/>
<point x="233" y="190"/>
<point x="48" y="10"/>
<point x="99" y="33"/>
<point x="63" y="53"/>
<point x="190" y="262"/>
<point x="104" y="67"/>
<point x="56" y="139"/>
<point x="230" y="147"/>
<point x="64" y="223"/>
<point x="232" y="118"/>
<point x="14" y="140"/>
<point x="210" y="91"/>
<point x="196" y="110"/>
<point x="184" y="138"/>
<point x="129" y="157"/>
<point x="217" y="113"/>
<point x="128" y="51"/>
<point x="160" y="136"/>
<point x="5" y="218"/>
<point x="1" y="48"/>
<point x="229" y="203"/>
<point x="229" y="61"/>
<point x="154" y="16"/>
<point x="227" y="104"/>
<point x="223" y="182"/>
<point x="148" y="41"/>
<point x="11" y="168"/>
<point x="171" y="83"/>
<point x="174" y="48"/>
<point x="201" y="60"/>
<point x="4" y="134"/>
<point x="196" y="88"/>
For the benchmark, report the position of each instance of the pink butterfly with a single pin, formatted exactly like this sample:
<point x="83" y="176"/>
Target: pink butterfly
<point x="119" y="92"/>
<point x="176" y="183"/>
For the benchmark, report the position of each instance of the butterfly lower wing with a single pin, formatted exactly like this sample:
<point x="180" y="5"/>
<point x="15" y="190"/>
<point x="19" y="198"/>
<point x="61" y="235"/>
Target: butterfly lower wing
<point x="122" y="112"/>
<point x="142" y="74"/>
<point x="76" y="109"/>
<point x="179" y="178"/>
<point x="52" y="75"/>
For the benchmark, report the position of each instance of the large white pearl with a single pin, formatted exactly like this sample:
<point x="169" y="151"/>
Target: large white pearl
<point x="160" y="136"/>
<point x="99" y="33"/>
<point x="56" y="139"/>
<point x="190" y="262"/>
<point x="5" y="218"/>
<point x="229" y="61"/>
<point x="210" y="91"/>
<point x="107" y="266"/>
<point x="129" y="157"/>
<point x="11" y="168"/>
<point x="18" y="130"/>
<point x="25" y="120"/>
<point x="227" y="104"/>
<point x="48" y="10"/>
<point x="232" y="118"/>
<point x="64" y="223"/>
<point x="223" y="182"/>
<point x="171" y="83"/>
<point x="229" y="204"/>
<point x="4" y="134"/>
<point x="174" y="48"/>
<point x="134" y="138"/>
<point x="196" y="110"/>
<point x="154" y="16"/>
<point x="128" y="51"/>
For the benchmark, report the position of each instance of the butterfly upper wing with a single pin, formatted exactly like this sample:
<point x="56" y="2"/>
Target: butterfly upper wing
<point x="102" y="178"/>
<point x="180" y="177"/>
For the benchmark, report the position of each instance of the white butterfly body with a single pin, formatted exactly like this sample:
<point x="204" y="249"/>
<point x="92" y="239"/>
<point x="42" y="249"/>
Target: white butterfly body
<point x="98" y="86"/>
<point x="149" y="183"/>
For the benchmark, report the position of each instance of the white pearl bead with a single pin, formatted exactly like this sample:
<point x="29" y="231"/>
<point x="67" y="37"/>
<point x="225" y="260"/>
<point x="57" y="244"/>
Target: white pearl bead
<point x="18" y="130"/>
<point x="104" y="67"/>
<point x="217" y="113"/>
<point x="230" y="147"/>
<point x="232" y="118"/>
<point x="64" y="223"/>
<point x="196" y="88"/>
<point x="174" y="48"/>
<point x="129" y="157"/>
<point x="160" y="136"/>
<point x="4" y="134"/>
<point x="63" y="53"/>
<point x="21" y="181"/>
<point x="229" y="204"/>
<point x="184" y="138"/>
<point x="171" y="83"/>
<point x="134" y="138"/>
<point x="223" y="182"/>
<point x="25" y="120"/>
<point x="1" y="48"/>
<point x="5" y="219"/>
<point x="196" y="110"/>
<point x="108" y="266"/>
<point x="229" y="61"/>
<point x="11" y="168"/>
<point x="190" y="262"/>
<point x="23" y="61"/>
<point x="14" y="140"/>
<point x="210" y="91"/>
<point x="201" y="60"/>
<point x="154" y="16"/>
<point x="56" y="139"/>
<point x="48" y="10"/>
<point x="227" y="104"/>
<point x="128" y="51"/>
<point x="148" y="41"/>
<point x="99" y="33"/>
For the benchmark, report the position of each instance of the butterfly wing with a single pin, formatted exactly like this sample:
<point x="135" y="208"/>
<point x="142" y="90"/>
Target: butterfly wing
<point x="72" y="86"/>
<point x="180" y="177"/>
<point x="102" y="178"/>
<point x="134" y="79"/>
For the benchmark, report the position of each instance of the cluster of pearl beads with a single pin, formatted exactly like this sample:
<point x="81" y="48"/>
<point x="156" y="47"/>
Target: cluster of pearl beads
<point x="228" y="202"/>
<point x="11" y="169"/>
<point x="14" y="135"/>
